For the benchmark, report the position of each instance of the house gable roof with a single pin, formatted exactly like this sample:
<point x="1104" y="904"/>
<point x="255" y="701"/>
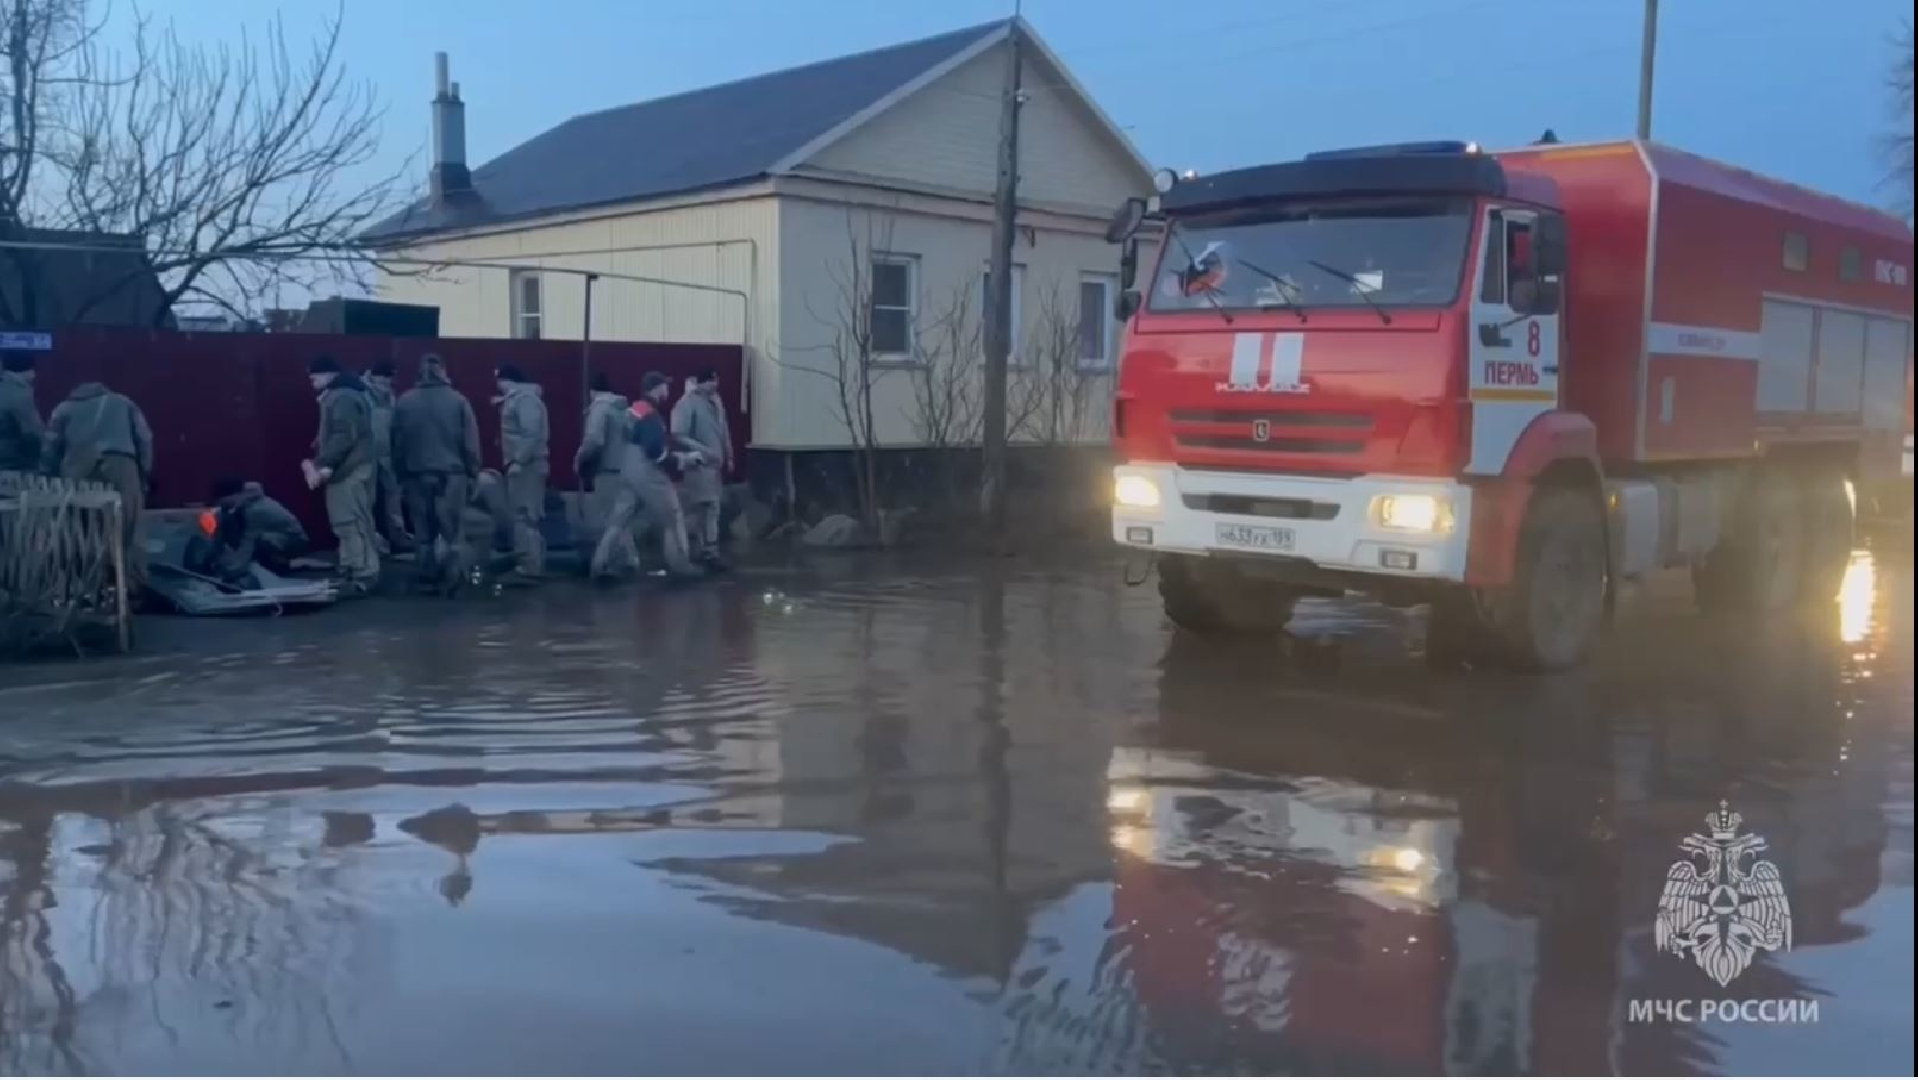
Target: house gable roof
<point x="698" y="140"/>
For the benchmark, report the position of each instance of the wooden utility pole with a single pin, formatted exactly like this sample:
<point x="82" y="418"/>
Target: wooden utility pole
<point x="1648" y="50"/>
<point x="999" y="328"/>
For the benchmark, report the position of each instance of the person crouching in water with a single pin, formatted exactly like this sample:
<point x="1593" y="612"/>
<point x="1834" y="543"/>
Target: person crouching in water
<point x="700" y="419"/>
<point x="646" y="486"/>
<point x="242" y="527"/>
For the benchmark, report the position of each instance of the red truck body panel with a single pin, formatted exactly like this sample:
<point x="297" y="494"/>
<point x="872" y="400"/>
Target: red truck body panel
<point x="1382" y="395"/>
<point x="1711" y="312"/>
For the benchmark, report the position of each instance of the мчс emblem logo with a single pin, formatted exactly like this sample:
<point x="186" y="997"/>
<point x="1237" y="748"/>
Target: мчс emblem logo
<point x="1722" y="902"/>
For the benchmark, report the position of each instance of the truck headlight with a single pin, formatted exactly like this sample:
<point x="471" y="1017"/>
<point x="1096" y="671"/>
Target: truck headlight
<point x="1414" y="513"/>
<point x="1136" y="492"/>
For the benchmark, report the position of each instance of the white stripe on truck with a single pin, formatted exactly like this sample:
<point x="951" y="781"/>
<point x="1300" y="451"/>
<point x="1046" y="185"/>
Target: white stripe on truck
<point x="1288" y="359"/>
<point x="1671" y="339"/>
<point x="1246" y="350"/>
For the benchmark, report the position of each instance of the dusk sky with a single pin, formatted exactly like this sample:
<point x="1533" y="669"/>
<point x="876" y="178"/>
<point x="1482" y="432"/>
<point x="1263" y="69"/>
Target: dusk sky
<point x="1786" y="87"/>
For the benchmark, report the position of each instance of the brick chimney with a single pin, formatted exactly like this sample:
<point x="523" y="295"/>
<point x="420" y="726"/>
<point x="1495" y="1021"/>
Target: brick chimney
<point x="450" y="178"/>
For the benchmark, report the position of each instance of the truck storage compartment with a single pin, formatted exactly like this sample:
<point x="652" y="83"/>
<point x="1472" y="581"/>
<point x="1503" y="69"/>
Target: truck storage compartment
<point x="1711" y="311"/>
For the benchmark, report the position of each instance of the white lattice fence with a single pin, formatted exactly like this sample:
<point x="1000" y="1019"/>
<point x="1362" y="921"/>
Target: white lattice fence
<point x="62" y="571"/>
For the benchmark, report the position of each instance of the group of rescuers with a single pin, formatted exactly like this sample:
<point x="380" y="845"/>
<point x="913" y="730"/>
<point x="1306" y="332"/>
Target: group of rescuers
<point x="652" y="464"/>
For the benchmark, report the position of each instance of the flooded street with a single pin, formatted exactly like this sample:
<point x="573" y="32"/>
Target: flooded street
<point x="938" y="818"/>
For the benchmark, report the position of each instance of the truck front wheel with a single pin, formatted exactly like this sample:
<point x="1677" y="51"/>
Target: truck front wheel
<point x="1211" y="596"/>
<point x="1551" y="614"/>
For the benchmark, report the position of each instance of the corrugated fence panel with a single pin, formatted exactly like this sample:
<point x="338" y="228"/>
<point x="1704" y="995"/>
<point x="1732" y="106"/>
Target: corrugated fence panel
<point x="240" y="404"/>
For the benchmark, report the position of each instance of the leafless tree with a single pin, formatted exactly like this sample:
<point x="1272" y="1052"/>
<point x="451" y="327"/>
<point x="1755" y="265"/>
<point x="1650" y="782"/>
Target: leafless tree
<point x="1898" y="143"/>
<point x="1054" y="399"/>
<point x="946" y="409"/>
<point x="851" y="360"/>
<point x="228" y="164"/>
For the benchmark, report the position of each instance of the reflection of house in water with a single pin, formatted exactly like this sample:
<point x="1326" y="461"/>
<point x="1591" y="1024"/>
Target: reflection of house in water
<point x="965" y="773"/>
<point x="119" y="930"/>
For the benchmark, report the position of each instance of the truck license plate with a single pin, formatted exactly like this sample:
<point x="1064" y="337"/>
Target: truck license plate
<point x="1256" y="537"/>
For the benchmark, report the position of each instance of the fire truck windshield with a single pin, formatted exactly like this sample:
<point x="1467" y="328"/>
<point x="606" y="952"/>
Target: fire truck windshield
<point x="1348" y="253"/>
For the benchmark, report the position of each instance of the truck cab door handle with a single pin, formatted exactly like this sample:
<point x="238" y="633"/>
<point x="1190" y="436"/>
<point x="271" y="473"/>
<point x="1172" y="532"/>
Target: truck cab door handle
<point x="1492" y="336"/>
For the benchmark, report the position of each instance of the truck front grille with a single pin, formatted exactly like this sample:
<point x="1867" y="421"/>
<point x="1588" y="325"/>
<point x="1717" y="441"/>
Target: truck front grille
<point x="1270" y="431"/>
<point x="1253" y="506"/>
<point x="1276" y="444"/>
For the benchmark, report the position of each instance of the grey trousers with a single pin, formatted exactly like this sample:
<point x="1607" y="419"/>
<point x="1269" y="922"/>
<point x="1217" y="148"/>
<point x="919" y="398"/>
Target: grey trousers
<point x="349" y="511"/>
<point x="702" y="526"/>
<point x="643" y="491"/>
<point x="387" y="501"/>
<point x="526" y="498"/>
<point x="122" y="474"/>
<point x="437" y="503"/>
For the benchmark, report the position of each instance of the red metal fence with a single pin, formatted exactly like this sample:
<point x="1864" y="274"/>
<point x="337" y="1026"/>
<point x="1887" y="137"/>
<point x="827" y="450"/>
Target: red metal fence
<point x="240" y="405"/>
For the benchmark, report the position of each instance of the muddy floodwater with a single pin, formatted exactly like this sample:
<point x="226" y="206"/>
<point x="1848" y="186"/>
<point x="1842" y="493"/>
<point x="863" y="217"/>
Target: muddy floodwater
<point x="944" y="817"/>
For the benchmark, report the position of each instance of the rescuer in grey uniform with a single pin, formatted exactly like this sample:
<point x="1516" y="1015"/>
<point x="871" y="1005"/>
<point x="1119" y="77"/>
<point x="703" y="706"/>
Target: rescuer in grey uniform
<point x="386" y="494"/>
<point x="436" y="454"/>
<point x="524" y="435"/>
<point x="97" y="434"/>
<point x="344" y="467"/>
<point x="604" y="435"/>
<point x="700" y="419"/>
<point x="646" y="486"/>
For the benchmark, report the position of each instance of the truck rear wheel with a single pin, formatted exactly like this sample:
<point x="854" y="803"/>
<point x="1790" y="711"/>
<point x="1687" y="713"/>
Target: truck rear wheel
<point x="1550" y="616"/>
<point x="1211" y="596"/>
<point x="1759" y="568"/>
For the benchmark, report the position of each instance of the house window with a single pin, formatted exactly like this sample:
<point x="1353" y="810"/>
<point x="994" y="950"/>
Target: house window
<point x="1095" y="321"/>
<point x="1797" y="251"/>
<point x="892" y="308"/>
<point x="1018" y="309"/>
<point x="528" y="305"/>
<point x="1851" y="265"/>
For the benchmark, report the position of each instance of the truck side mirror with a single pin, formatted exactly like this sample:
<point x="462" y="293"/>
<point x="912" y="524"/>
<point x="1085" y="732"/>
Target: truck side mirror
<point x="1129" y="263"/>
<point x="1548" y="246"/>
<point x="1125" y="221"/>
<point x="1127" y="305"/>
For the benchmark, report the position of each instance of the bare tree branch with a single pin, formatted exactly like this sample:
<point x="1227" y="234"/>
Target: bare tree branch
<point x="1898" y="144"/>
<point x="852" y="363"/>
<point x="228" y="163"/>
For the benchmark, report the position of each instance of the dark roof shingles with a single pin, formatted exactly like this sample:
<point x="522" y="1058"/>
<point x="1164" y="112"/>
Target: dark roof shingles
<point x="701" y="139"/>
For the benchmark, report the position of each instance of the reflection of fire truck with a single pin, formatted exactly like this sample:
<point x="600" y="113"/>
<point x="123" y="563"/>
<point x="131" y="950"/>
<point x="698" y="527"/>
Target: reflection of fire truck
<point x="1501" y="382"/>
<point x="1416" y="877"/>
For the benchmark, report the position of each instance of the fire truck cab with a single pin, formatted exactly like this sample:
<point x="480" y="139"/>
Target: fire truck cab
<point x="1498" y="383"/>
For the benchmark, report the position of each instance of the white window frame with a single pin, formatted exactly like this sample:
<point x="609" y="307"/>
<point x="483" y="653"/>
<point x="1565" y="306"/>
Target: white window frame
<point x="1018" y="310"/>
<point x="523" y="319"/>
<point x="1108" y="326"/>
<point x="911" y="263"/>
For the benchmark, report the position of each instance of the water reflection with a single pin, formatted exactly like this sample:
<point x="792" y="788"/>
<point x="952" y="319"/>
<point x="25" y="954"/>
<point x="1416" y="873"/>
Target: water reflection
<point x="1024" y="828"/>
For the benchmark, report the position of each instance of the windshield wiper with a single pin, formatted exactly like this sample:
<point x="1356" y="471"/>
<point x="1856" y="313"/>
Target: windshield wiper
<point x="1360" y="287"/>
<point x="1192" y="261"/>
<point x="1283" y="285"/>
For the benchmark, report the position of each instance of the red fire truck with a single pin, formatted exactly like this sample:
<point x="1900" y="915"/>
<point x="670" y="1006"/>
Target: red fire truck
<point x="1500" y="383"/>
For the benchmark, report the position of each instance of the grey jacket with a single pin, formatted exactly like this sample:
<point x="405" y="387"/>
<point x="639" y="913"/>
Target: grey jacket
<point x="345" y="440"/>
<point x="434" y="431"/>
<point x="90" y="424"/>
<point x="523" y="431"/>
<point x="20" y="427"/>
<point x="267" y="519"/>
<point x="699" y="419"/>
<point x="607" y="429"/>
<point x="382" y="402"/>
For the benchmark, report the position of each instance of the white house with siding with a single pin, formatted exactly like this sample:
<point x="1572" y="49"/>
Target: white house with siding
<point x="756" y="211"/>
